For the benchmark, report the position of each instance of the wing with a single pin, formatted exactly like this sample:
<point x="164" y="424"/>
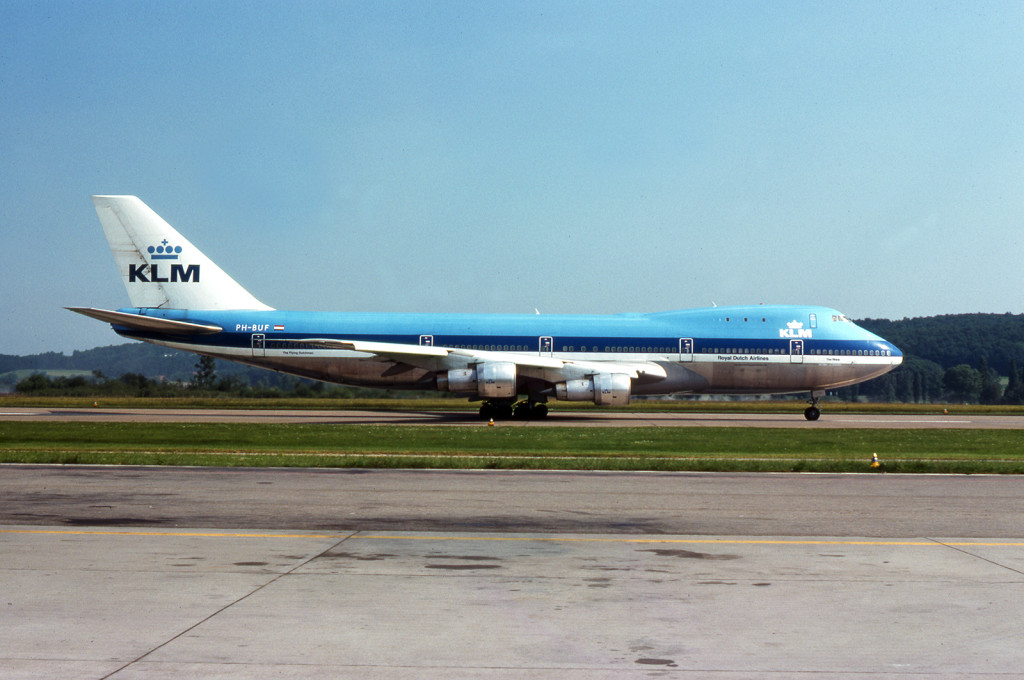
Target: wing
<point x="437" y="358"/>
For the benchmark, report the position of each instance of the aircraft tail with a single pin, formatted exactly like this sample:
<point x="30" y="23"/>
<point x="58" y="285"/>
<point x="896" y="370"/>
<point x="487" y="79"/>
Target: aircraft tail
<point x="159" y="267"/>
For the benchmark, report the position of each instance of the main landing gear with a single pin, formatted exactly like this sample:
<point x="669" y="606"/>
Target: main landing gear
<point x="530" y="410"/>
<point x="505" y="409"/>
<point x="813" y="412"/>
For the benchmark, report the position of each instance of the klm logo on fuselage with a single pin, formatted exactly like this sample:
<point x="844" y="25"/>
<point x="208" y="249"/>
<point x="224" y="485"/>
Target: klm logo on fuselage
<point x="795" y="329"/>
<point x="150" y="273"/>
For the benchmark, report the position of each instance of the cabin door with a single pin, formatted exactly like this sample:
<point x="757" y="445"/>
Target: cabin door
<point x="686" y="349"/>
<point x="259" y="345"/>
<point x="546" y="345"/>
<point x="796" y="351"/>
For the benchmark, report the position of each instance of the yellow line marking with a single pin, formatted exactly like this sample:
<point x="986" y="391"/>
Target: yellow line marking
<point x="721" y="541"/>
<point x="520" y="539"/>
<point x="168" y="534"/>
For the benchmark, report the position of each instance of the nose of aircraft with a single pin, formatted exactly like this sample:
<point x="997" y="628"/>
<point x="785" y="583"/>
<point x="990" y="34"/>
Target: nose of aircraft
<point x="895" y="352"/>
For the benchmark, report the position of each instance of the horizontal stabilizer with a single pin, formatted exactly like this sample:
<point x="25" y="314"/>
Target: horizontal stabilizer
<point x="147" y="323"/>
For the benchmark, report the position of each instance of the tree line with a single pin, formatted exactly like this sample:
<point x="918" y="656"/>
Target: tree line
<point x="963" y="358"/>
<point x="204" y="382"/>
<point x="920" y="381"/>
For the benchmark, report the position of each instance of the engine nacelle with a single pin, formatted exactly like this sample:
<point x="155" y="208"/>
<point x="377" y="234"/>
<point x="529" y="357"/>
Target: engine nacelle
<point x="458" y="380"/>
<point x="575" y="390"/>
<point x="604" y="389"/>
<point x="495" y="380"/>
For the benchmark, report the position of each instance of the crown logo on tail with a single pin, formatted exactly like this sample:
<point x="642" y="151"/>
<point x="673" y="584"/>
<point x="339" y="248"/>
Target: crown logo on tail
<point x="164" y="251"/>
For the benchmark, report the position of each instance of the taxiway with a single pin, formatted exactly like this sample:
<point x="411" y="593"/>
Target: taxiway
<point x="166" y="573"/>
<point x="589" y="418"/>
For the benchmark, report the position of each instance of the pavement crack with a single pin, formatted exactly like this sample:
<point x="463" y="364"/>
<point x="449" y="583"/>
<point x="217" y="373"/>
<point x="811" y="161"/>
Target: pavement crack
<point x="976" y="556"/>
<point x="231" y="604"/>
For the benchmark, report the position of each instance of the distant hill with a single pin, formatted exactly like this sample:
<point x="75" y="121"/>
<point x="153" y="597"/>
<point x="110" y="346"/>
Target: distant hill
<point x="114" y="361"/>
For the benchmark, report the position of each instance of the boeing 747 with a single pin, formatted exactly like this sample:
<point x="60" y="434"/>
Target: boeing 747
<point x="513" y="363"/>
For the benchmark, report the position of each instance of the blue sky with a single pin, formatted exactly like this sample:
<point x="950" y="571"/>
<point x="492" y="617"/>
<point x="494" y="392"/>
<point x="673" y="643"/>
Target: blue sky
<point x="504" y="156"/>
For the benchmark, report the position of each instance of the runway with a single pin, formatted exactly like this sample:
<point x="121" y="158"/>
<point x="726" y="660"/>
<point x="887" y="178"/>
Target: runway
<point x="168" y="573"/>
<point x="588" y="418"/>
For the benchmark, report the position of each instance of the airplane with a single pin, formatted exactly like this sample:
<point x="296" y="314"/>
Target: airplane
<point x="512" y="363"/>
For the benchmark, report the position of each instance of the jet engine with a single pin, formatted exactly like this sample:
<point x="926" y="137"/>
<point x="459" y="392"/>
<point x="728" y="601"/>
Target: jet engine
<point x="492" y="380"/>
<point x="604" y="389"/>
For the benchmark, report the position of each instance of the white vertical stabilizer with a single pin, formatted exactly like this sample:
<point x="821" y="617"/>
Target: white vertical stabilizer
<point x="159" y="267"/>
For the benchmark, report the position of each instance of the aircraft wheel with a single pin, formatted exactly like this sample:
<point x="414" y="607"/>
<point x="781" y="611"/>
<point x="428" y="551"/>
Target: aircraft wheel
<point x="498" y="411"/>
<point x="529" y="410"/>
<point x="812" y="413"/>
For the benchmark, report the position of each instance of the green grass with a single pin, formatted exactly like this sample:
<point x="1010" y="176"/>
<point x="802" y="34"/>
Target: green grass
<point x="535" y="447"/>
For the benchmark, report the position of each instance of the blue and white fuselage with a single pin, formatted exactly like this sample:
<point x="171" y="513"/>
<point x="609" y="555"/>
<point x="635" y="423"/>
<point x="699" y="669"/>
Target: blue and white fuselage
<point x="496" y="358"/>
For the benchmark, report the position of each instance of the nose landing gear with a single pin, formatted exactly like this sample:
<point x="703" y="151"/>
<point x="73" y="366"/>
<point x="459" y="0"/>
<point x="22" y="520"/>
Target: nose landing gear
<point x="813" y="412"/>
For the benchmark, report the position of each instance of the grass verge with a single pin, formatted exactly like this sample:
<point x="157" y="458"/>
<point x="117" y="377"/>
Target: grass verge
<point x="533" y="448"/>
